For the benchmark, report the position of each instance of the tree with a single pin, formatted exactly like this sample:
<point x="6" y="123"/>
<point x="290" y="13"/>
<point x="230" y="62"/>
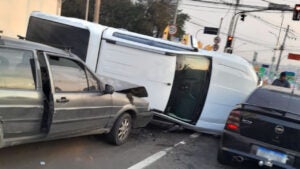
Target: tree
<point x="141" y="17"/>
<point x="74" y="8"/>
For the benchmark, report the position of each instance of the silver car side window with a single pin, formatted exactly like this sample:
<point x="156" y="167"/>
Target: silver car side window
<point x="68" y="75"/>
<point x="94" y="85"/>
<point x="17" y="70"/>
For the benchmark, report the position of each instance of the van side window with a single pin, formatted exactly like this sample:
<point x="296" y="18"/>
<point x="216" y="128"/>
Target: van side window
<point x="68" y="75"/>
<point x="17" y="69"/>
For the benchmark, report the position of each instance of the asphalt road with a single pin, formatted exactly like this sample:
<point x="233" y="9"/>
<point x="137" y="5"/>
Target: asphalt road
<point x="176" y="150"/>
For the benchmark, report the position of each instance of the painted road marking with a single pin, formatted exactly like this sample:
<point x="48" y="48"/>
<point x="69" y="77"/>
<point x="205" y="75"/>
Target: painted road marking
<point x="195" y="135"/>
<point x="148" y="161"/>
<point x="153" y="158"/>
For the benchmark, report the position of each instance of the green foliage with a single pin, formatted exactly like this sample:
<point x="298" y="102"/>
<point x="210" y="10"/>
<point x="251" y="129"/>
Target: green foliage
<point x="141" y="17"/>
<point x="74" y="8"/>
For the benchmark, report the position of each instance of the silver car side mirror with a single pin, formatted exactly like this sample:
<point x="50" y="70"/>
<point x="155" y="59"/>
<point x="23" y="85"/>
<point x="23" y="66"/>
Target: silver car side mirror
<point x="109" y="89"/>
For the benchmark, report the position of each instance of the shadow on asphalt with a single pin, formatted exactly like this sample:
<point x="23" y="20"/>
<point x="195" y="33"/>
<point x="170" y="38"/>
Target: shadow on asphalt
<point x="85" y="151"/>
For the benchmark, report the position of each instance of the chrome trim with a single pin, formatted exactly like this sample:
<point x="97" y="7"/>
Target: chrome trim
<point x="20" y="120"/>
<point x="78" y="108"/>
<point x="80" y="119"/>
<point x="21" y="106"/>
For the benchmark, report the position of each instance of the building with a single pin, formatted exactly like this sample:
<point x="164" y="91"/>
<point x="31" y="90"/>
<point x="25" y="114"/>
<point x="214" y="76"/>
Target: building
<point x="14" y="14"/>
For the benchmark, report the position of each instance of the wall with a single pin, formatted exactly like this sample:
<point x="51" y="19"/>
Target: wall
<point x="14" y="14"/>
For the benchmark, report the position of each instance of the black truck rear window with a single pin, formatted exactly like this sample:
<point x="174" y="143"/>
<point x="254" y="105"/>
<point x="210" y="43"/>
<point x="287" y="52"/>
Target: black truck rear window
<point x="275" y="99"/>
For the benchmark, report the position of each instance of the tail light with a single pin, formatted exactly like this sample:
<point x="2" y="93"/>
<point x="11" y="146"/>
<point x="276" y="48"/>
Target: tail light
<point x="233" y="121"/>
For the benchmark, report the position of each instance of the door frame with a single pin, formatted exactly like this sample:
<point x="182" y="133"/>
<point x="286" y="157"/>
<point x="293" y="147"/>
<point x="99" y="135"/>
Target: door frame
<point x="199" y="107"/>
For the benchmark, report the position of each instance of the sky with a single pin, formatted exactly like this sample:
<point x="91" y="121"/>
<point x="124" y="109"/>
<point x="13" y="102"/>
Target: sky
<point x="258" y="32"/>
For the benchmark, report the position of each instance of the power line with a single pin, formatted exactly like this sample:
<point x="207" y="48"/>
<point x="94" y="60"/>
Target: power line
<point x="231" y="4"/>
<point x="239" y="38"/>
<point x="205" y="6"/>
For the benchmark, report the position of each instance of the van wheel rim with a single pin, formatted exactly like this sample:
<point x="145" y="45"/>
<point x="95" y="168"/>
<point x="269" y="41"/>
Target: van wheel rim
<point x="123" y="129"/>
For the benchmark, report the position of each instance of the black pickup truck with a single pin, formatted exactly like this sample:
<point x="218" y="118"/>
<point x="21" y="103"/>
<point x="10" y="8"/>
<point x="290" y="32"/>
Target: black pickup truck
<point x="264" y="129"/>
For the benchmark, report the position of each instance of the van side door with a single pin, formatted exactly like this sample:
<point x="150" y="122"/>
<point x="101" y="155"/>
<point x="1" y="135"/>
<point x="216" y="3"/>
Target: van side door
<point x="79" y="104"/>
<point x="21" y="99"/>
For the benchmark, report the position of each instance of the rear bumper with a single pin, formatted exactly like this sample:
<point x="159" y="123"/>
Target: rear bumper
<point x="142" y="119"/>
<point x="237" y="145"/>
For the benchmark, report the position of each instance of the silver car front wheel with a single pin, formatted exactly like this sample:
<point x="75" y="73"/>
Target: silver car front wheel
<point x="121" y="129"/>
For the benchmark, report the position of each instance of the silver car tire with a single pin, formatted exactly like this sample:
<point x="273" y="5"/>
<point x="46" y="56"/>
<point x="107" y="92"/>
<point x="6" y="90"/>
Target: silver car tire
<point x="121" y="130"/>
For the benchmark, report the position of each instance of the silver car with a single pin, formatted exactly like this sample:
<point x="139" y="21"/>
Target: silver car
<point x="47" y="93"/>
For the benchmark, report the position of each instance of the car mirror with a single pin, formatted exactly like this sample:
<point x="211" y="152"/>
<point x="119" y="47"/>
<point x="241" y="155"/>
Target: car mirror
<point x="109" y="89"/>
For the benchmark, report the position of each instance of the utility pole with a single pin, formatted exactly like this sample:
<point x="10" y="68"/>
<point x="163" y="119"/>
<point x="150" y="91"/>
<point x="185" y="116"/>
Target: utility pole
<point x="282" y="47"/>
<point x="97" y="11"/>
<point x="175" y="14"/>
<point x="276" y="46"/>
<point x="87" y="9"/>
<point x="254" y="58"/>
<point x="220" y="26"/>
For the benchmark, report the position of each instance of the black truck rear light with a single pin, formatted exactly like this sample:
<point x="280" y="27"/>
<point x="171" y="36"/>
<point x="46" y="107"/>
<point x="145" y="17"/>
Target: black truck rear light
<point x="233" y="121"/>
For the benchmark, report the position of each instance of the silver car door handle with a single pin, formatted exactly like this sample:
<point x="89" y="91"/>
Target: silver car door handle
<point x="62" y="100"/>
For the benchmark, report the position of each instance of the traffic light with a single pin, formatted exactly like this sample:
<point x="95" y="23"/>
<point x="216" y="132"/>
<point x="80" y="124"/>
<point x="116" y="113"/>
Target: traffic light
<point x="243" y="16"/>
<point x="296" y="14"/>
<point x="229" y="41"/>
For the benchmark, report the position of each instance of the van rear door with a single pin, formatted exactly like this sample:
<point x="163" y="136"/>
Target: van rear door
<point x="152" y="69"/>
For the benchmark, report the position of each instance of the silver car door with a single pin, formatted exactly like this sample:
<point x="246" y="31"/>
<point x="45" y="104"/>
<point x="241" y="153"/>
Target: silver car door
<point x="21" y="99"/>
<point x="79" y="105"/>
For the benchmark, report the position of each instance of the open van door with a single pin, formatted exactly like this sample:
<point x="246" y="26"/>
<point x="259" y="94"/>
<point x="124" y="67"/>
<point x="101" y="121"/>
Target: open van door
<point x="191" y="83"/>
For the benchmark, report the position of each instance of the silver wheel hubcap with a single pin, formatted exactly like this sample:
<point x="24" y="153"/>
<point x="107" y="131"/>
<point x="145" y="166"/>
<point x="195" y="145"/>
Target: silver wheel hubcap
<point x="123" y="130"/>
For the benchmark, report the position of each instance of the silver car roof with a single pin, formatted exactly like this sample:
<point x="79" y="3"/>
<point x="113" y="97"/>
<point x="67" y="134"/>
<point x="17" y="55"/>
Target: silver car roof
<point x="24" y="44"/>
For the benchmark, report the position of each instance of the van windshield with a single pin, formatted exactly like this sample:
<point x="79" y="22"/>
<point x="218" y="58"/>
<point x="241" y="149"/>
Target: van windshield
<point x="59" y="35"/>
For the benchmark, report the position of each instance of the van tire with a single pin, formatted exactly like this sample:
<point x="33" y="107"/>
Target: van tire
<point x="121" y="130"/>
<point x="224" y="158"/>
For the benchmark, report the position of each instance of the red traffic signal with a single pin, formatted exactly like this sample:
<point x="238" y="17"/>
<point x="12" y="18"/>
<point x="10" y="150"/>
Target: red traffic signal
<point x="229" y="41"/>
<point x="296" y="13"/>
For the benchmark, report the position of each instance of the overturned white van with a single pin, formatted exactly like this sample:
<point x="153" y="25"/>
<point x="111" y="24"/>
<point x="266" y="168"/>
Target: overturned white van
<point x="196" y="89"/>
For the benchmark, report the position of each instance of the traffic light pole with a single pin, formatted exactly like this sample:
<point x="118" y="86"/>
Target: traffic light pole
<point x="226" y="49"/>
<point x="233" y="25"/>
<point x="282" y="48"/>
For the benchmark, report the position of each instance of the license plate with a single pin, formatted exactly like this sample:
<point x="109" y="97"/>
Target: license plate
<point x="271" y="155"/>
